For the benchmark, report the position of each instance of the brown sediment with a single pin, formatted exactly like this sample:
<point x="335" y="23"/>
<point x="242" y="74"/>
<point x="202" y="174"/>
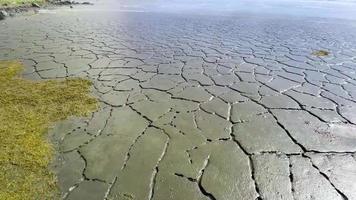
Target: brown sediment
<point x="321" y="53"/>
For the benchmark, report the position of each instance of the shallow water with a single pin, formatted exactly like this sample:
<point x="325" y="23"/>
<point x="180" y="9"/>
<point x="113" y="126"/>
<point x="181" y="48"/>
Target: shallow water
<point x="344" y="9"/>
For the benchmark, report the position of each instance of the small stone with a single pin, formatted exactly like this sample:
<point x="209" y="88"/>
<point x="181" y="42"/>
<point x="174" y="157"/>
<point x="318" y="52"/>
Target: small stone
<point x="65" y="2"/>
<point x="3" y="14"/>
<point x="35" y="5"/>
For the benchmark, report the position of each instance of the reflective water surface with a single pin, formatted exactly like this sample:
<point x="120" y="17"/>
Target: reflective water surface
<point x="317" y="8"/>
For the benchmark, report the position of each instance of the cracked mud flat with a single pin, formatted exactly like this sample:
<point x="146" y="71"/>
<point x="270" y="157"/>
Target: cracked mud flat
<point x="199" y="107"/>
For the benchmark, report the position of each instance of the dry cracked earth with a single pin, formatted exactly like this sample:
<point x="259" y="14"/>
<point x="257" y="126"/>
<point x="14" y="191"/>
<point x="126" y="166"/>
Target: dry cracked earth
<point x="213" y="108"/>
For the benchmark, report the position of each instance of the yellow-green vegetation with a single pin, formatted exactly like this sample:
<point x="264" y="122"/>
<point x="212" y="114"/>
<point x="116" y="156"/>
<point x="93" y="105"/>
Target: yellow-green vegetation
<point x="11" y="3"/>
<point x="320" y="53"/>
<point x="27" y="109"/>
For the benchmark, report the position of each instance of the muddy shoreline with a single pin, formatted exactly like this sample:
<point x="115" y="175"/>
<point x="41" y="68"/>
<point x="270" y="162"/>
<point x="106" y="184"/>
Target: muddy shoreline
<point x="33" y="8"/>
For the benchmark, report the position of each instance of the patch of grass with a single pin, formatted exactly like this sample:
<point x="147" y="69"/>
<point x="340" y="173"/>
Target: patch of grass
<point x="12" y="3"/>
<point x="27" y="110"/>
<point x="321" y="53"/>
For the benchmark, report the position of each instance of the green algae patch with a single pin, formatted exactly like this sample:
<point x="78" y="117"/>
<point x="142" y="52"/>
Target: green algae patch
<point x="27" y="110"/>
<point x="321" y="53"/>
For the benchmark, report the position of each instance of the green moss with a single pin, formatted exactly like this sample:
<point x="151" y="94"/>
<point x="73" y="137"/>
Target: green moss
<point x="320" y="53"/>
<point x="27" y="109"/>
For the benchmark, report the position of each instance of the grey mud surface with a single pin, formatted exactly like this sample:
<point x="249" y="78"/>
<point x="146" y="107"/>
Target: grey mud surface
<point x="213" y="108"/>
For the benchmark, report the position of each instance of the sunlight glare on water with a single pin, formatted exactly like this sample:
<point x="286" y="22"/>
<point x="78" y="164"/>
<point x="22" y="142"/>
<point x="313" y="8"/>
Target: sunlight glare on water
<point x="314" y="8"/>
